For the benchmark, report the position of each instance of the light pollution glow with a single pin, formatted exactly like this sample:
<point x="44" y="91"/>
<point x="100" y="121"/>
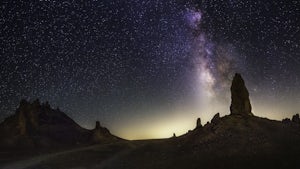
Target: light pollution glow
<point x="181" y="120"/>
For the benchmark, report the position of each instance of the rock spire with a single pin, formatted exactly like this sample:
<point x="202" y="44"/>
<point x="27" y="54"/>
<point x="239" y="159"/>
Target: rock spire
<point x="240" y="102"/>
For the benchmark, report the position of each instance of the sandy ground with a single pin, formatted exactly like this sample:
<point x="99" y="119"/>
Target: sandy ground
<point x="97" y="156"/>
<point x="35" y="161"/>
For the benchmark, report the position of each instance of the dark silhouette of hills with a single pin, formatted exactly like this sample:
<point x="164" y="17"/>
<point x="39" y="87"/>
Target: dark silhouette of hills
<point x="38" y="125"/>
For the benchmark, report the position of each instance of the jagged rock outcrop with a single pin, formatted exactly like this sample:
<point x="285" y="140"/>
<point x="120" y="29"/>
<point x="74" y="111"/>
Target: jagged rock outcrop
<point x="286" y="121"/>
<point x="38" y="125"/>
<point x="240" y="102"/>
<point x="101" y="134"/>
<point x="216" y="118"/>
<point x="295" y="120"/>
<point x="198" y="123"/>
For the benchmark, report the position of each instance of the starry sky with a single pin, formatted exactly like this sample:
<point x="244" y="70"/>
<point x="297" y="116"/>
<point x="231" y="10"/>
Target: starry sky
<point x="149" y="68"/>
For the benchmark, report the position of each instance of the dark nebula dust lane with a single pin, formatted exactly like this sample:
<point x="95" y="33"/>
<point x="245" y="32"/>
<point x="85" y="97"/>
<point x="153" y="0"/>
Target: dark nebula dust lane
<point x="141" y="63"/>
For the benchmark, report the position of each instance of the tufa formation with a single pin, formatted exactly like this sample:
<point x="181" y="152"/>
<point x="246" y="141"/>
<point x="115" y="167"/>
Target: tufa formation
<point x="38" y="125"/>
<point x="97" y="125"/>
<point x="296" y="118"/>
<point x="198" y="123"/>
<point x="216" y="118"/>
<point x="240" y="103"/>
<point x="101" y="134"/>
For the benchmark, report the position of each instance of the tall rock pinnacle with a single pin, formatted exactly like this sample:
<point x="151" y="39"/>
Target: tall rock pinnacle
<point x="240" y="103"/>
<point x="198" y="124"/>
<point x="98" y="126"/>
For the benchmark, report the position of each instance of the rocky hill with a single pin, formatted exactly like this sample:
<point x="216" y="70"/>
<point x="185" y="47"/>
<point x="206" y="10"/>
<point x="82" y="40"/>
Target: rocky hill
<point x="241" y="126"/>
<point x="239" y="140"/>
<point x="38" y="125"/>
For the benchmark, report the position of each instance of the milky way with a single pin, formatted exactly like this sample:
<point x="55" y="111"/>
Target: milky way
<point x="137" y="64"/>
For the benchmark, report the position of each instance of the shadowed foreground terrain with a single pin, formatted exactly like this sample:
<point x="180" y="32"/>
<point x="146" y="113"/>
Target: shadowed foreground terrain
<point x="232" y="142"/>
<point x="239" y="140"/>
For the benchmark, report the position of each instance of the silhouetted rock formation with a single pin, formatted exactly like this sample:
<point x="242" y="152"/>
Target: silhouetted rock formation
<point x="39" y="125"/>
<point x="286" y="121"/>
<point x="233" y="141"/>
<point x="240" y="103"/>
<point x="207" y="123"/>
<point x="216" y="118"/>
<point x="241" y="137"/>
<point x="101" y="134"/>
<point x="296" y="119"/>
<point x="97" y="125"/>
<point x="198" y="123"/>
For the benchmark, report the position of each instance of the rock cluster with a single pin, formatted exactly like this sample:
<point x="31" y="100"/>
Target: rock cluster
<point x="28" y="117"/>
<point x="240" y="103"/>
<point x="296" y="118"/>
<point x="37" y="124"/>
<point x="286" y="121"/>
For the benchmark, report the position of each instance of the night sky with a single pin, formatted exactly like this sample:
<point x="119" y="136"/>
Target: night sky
<point x="149" y="68"/>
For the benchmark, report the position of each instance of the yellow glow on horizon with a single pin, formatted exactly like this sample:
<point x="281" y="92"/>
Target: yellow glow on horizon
<point x="162" y="125"/>
<point x="159" y="127"/>
<point x="179" y="120"/>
